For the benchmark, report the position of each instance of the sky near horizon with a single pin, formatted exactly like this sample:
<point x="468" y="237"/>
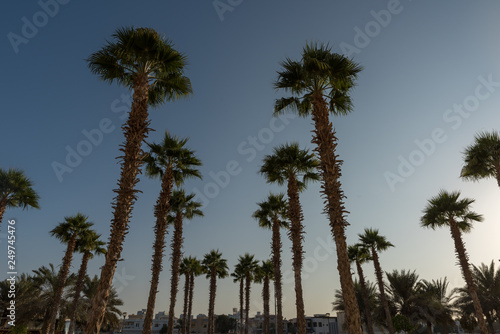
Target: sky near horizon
<point x="431" y="80"/>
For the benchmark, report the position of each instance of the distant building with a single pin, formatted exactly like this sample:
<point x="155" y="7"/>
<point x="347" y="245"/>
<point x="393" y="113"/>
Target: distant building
<point x="135" y="323"/>
<point x="320" y="324"/>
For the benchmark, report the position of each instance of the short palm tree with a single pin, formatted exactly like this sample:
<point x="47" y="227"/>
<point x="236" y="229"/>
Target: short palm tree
<point x="446" y="209"/>
<point x="296" y="167"/>
<point x="359" y="255"/>
<point x="186" y="268"/>
<point x="487" y="281"/>
<point x="272" y="214"/>
<point x="264" y="274"/>
<point x="68" y="233"/>
<point x="215" y="267"/>
<point x="482" y="157"/>
<point x="195" y="270"/>
<point x="320" y="84"/>
<point x="182" y="207"/>
<point x="145" y="62"/>
<point x="377" y="243"/>
<point x="248" y="266"/>
<point x="16" y="191"/>
<point x="404" y="293"/>
<point x="172" y="162"/>
<point x="89" y="245"/>
<point x="239" y="276"/>
<point x="437" y="303"/>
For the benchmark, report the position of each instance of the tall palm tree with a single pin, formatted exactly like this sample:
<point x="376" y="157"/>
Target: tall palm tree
<point x="182" y="207"/>
<point x="446" y="209"/>
<point x="264" y="274"/>
<point x="359" y="255"/>
<point x="296" y="167"/>
<point x="145" y="62"/>
<point x="68" y="233"/>
<point x="248" y="266"/>
<point x="89" y="245"/>
<point x="215" y="267"/>
<point x="377" y="243"/>
<point x="172" y="162"/>
<point x="195" y="270"/>
<point x="186" y="268"/>
<point x="272" y="214"/>
<point x="319" y="84"/>
<point x="239" y="276"/>
<point x="482" y="157"/>
<point x="16" y="191"/>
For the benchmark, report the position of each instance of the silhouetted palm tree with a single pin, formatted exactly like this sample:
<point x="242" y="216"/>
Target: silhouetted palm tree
<point x="239" y="276"/>
<point x="16" y="191"/>
<point x="215" y="267"/>
<point x="264" y="275"/>
<point x="482" y="157"/>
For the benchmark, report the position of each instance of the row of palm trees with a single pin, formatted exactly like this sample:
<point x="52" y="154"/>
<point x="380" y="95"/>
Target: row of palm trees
<point x="319" y="84"/>
<point x="427" y="303"/>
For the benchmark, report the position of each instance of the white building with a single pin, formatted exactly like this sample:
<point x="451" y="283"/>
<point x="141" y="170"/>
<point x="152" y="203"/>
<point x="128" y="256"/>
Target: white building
<point x="135" y="323"/>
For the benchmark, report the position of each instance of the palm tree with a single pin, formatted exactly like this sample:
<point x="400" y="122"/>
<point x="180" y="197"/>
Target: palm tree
<point x="272" y="214"/>
<point x="434" y="298"/>
<point x="146" y="63"/>
<point x="239" y="276"/>
<point x="215" y="267"/>
<point x="446" y="209"/>
<point x="89" y="245"/>
<point x="482" y="157"/>
<point x="29" y="304"/>
<point x="172" y="162"/>
<point x="68" y="233"/>
<point x="16" y="191"/>
<point x="320" y="84"/>
<point x="181" y="206"/>
<point x="404" y="293"/>
<point x="377" y="243"/>
<point x="359" y="255"/>
<point x="487" y="281"/>
<point x="264" y="274"/>
<point x="195" y="270"/>
<point x="185" y="268"/>
<point x="287" y="164"/>
<point x="248" y="266"/>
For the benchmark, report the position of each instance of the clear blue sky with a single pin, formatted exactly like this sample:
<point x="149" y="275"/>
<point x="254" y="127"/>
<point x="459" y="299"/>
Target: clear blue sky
<point x="421" y="63"/>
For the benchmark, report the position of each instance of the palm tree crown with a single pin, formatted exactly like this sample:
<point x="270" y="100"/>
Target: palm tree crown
<point x="482" y="157"/>
<point x="16" y="190"/>
<point x="142" y="52"/>
<point x="275" y="207"/>
<point x="183" y="204"/>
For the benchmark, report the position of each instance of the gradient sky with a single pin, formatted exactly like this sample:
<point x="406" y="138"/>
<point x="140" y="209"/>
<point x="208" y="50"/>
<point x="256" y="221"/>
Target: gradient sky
<point x="421" y="64"/>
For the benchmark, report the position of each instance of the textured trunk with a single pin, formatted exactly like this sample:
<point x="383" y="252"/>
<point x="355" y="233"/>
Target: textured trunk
<point x="265" y="298"/>
<point x="242" y="296"/>
<point x="176" y="260"/>
<point x="3" y="205"/>
<point x="324" y="138"/>
<point x="61" y="282"/>
<point x="162" y="208"/>
<point x="276" y="249"/>
<point x="463" y="259"/>
<point x="247" y="300"/>
<point x="45" y="324"/>
<point x="135" y="131"/>
<point x="383" y="298"/>
<point x="190" y="307"/>
<point x="429" y="327"/>
<point x="366" y="300"/>
<point x="78" y="288"/>
<point x="296" y="235"/>
<point x="186" y="302"/>
<point x="211" y="303"/>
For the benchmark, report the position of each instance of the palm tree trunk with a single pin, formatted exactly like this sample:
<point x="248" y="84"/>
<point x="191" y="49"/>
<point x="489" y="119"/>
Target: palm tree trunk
<point x="161" y="210"/>
<point x="211" y="305"/>
<point x="429" y="327"/>
<point x="3" y="205"/>
<point x="176" y="260"/>
<point x="247" y="300"/>
<point x="464" y="263"/>
<point x="276" y="249"/>
<point x="190" y="307"/>
<point x="265" y="297"/>
<point x="78" y="288"/>
<point x="324" y="138"/>
<point x="242" y="296"/>
<point x="383" y="298"/>
<point x="186" y="302"/>
<point x="61" y="282"/>
<point x="135" y="131"/>
<point x="296" y="235"/>
<point x="366" y="300"/>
